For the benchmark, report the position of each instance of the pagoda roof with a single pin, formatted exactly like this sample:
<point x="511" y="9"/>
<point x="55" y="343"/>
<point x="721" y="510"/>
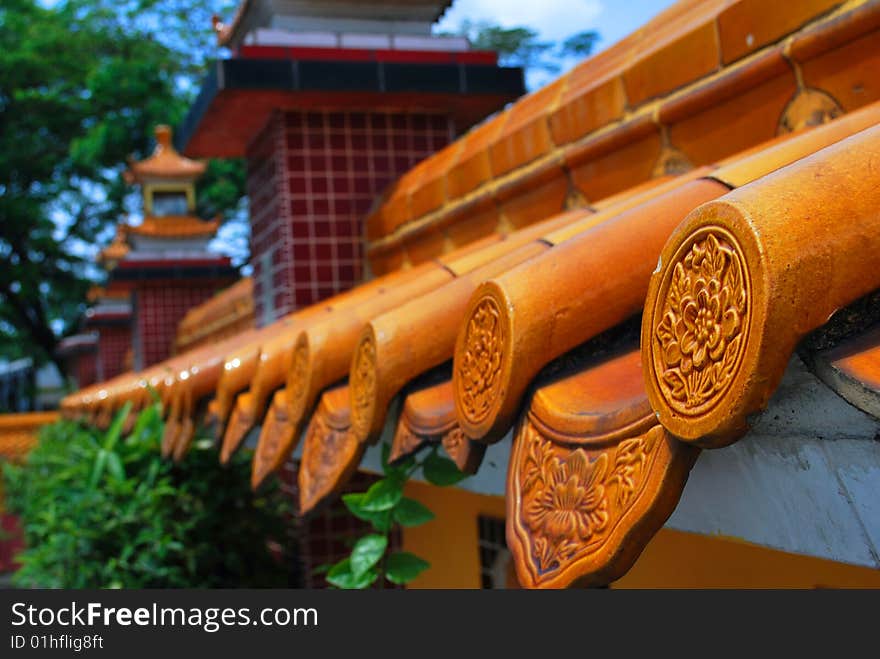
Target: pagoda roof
<point x="165" y="162"/>
<point x="251" y="13"/>
<point x="175" y="227"/>
<point x="117" y="250"/>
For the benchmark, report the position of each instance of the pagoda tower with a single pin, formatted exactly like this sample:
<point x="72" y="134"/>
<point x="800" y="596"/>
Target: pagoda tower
<point x="163" y="264"/>
<point x="329" y="101"/>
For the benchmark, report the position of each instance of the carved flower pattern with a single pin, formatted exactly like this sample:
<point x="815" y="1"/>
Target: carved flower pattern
<point x="481" y="364"/>
<point x="299" y="366"/>
<point x="453" y="441"/>
<point x="325" y="458"/>
<point x="363" y="384"/>
<point x="701" y="323"/>
<point x="569" y="502"/>
<point x="573" y="504"/>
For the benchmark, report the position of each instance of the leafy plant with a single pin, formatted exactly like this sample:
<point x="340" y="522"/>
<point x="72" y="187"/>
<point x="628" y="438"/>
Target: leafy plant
<point x="385" y="508"/>
<point x="104" y="510"/>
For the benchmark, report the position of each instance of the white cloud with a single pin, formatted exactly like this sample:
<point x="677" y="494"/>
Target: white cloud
<point x="552" y="19"/>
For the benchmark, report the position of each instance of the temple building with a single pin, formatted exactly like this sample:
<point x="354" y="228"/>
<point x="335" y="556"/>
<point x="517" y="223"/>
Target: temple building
<point x="156" y="272"/>
<point x="168" y="268"/>
<point x="330" y="102"/>
<point x="638" y="306"/>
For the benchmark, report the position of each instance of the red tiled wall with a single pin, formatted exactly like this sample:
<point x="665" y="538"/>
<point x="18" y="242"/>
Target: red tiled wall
<point x="159" y="310"/>
<point x="312" y="177"/>
<point x="113" y="343"/>
<point x="86" y="369"/>
<point x="11" y="541"/>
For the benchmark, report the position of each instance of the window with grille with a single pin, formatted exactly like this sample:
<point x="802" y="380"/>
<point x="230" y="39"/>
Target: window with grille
<point x="496" y="565"/>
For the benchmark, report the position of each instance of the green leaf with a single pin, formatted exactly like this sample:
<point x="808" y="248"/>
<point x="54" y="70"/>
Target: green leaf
<point x="115" y="429"/>
<point x="341" y="576"/>
<point x="98" y="467"/>
<point x="441" y="471"/>
<point x="409" y="512"/>
<point x="402" y="567"/>
<point x="381" y="521"/>
<point x="366" y="553"/>
<point x="383" y="495"/>
<point x="148" y="418"/>
<point x="114" y="466"/>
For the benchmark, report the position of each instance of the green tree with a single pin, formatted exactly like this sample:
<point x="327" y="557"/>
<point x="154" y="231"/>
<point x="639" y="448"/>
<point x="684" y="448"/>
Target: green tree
<point x="82" y="83"/>
<point x="521" y="46"/>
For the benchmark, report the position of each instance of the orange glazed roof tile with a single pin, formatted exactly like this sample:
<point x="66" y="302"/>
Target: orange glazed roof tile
<point x="229" y="310"/>
<point x="116" y="250"/>
<point x="590" y="115"/>
<point x="611" y="331"/>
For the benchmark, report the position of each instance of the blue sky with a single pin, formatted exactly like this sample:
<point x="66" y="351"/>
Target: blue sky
<point x="555" y="20"/>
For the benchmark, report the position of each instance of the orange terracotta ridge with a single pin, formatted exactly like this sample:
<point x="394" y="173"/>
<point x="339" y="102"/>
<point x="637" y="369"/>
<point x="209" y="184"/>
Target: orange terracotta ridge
<point x="18" y="433"/>
<point x="230" y="310"/>
<point x="428" y="417"/>
<point x="752" y="273"/>
<point x="260" y="364"/>
<point x="330" y="453"/>
<point x="592" y="475"/>
<point x="322" y="352"/>
<point x="765" y="86"/>
<point x="399" y="345"/>
<point x="97" y="404"/>
<point x="591" y="283"/>
<point x="263" y="367"/>
<point x="195" y="380"/>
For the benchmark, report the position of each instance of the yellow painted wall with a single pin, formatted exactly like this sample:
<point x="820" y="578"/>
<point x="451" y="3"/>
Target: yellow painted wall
<point x="685" y="560"/>
<point x="449" y="542"/>
<point x="671" y="560"/>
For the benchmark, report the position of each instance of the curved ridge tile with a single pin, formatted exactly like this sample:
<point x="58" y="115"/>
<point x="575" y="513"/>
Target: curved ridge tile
<point x="278" y="438"/>
<point x="330" y="453"/>
<point x="270" y="363"/>
<point x="745" y="277"/>
<point x="195" y="380"/>
<point x="264" y="369"/>
<point x="592" y="476"/>
<point x="428" y="417"/>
